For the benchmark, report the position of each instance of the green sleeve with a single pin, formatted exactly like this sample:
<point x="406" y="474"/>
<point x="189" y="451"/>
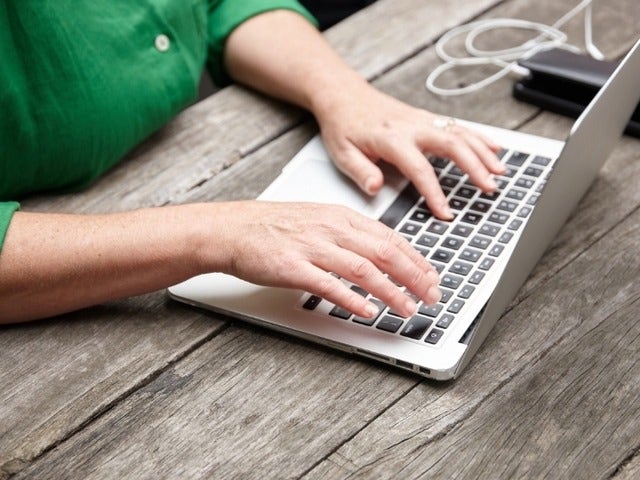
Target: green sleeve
<point x="7" y="210"/>
<point x="226" y="15"/>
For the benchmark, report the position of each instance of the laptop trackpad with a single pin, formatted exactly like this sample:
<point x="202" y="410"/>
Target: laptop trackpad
<point x="311" y="176"/>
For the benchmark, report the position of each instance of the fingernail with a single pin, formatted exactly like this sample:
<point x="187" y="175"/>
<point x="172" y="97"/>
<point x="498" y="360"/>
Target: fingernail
<point x="435" y="293"/>
<point x="369" y="185"/>
<point x="446" y="210"/>
<point x="371" y="310"/>
<point x="491" y="183"/>
<point x="410" y="307"/>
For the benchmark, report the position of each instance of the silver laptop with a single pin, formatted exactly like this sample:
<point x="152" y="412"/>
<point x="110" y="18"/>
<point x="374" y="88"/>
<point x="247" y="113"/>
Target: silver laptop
<point x="484" y="255"/>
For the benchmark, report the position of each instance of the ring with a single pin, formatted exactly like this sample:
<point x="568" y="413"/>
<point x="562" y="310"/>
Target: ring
<point x="444" y="123"/>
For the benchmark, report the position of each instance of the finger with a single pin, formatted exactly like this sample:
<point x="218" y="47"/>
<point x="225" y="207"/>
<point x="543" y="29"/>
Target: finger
<point x="392" y="254"/>
<point x="318" y="281"/>
<point x="359" y="168"/>
<point x="451" y="144"/>
<point x="484" y="152"/>
<point x="492" y="144"/>
<point x="362" y="272"/>
<point x="414" y="165"/>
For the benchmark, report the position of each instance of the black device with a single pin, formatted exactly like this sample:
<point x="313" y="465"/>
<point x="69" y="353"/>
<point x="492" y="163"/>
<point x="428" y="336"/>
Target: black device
<point x="565" y="82"/>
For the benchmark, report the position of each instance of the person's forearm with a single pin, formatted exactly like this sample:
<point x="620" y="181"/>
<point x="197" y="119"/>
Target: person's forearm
<point x="53" y="263"/>
<point x="282" y="54"/>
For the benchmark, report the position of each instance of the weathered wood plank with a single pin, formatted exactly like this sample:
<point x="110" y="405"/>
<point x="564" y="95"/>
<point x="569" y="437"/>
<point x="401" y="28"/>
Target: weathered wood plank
<point x="630" y="470"/>
<point x="57" y="375"/>
<point x="556" y="387"/>
<point x="235" y="410"/>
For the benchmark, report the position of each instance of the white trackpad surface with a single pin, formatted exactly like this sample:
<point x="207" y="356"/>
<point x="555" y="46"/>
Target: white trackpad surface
<point x="311" y="176"/>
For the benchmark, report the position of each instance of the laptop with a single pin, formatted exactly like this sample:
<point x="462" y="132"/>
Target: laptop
<point x="484" y="255"/>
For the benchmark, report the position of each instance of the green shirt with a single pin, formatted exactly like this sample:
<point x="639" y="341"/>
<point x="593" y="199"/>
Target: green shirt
<point x="81" y="83"/>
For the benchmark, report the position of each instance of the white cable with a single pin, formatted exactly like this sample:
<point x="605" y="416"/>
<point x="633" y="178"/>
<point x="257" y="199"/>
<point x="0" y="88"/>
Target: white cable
<point x="549" y="36"/>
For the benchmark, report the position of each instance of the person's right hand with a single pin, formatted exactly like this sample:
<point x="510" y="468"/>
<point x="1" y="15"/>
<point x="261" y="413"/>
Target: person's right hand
<point x="300" y="245"/>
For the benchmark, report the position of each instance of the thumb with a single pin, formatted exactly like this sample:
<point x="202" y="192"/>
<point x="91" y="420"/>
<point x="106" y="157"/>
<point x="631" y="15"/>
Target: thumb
<point x="359" y="168"/>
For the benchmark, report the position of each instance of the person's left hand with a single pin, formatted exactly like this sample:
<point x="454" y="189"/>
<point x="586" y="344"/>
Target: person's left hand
<point x="361" y="126"/>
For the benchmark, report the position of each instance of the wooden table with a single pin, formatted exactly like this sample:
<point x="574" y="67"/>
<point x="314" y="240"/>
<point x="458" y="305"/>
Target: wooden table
<point x="149" y="388"/>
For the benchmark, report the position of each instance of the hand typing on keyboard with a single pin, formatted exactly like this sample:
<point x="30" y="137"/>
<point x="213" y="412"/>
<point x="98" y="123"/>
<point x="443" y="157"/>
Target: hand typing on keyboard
<point x="296" y="245"/>
<point x="361" y="125"/>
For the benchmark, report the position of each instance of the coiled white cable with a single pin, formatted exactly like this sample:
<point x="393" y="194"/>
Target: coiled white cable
<point x="549" y="36"/>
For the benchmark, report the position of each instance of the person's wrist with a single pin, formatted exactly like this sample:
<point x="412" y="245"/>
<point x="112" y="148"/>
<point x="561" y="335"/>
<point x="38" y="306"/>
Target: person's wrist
<point x="334" y="93"/>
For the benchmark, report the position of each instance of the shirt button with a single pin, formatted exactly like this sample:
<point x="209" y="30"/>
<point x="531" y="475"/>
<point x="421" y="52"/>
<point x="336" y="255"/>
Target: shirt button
<point x="162" y="43"/>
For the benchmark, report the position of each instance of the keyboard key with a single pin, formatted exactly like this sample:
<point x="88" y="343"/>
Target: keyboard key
<point x="496" y="250"/>
<point x="477" y="277"/>
<point x="427" y="240"/>
<point x="533" y="199"/>
<point x="470" y="255"/>
<point x="370" y="321"/>
<point x="445" y="321"/>
<point x="497" y="217"/>
<point x="340" y="312"/>
<point x="423" y="251"/>
<point x="312" y="302"/>
<point x="507" y="206"/>
<point x="486" y="264"/>
<point x="524" y="211"/>
<point x="480" y="242"/>
<point x="488" y="229"/>
<point x="544" y="161"/>
<point x="452" y="243"/>
<point x="510" y="173"/>
<point x="420" y="216"/>
<point x="472" y="218"/>
<point x="525" y="183"/>
<point x="434" y="336"/>
<point x="482" y="207"/>
<point x="505" y="237"/>
<point x="390" y="324"/>
<point x="532" y="171"/>
<point x="466" y="192"/>
<point x="516" y="194"/>
<point x="442" y="255"/>
<point x="438" y="162"/>
<point x="451" y="281"/>
<point x="359" y="290"/>
<point x="457" y="204"/>
<point x="437" y="227"/>
<point x="462" y="230"/>
<point x="517" y="158"/>
<point x="515" y="224"/>
<point x="466" y="291"/>
<point x="456" y="171"/>
<point x="502" y="183"/>
<point x="461" y="268"/>
<point x="446" y="295"/>
<point x="416" y="327"/>
<point x="448" y="182"/>
<point x="410" y="228"/>
<point x="430" y="310"/>
<point x="490" y="195"/>
<point x="438" y="266"/>
<point x="455" y="306"/>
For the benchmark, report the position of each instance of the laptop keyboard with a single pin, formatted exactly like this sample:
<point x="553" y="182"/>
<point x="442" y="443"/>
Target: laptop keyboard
<point x="463" y="250"/>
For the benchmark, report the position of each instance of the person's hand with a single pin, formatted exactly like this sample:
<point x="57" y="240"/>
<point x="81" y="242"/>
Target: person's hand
<point x="300" y="245"/>
<point x="361" y="126"/>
